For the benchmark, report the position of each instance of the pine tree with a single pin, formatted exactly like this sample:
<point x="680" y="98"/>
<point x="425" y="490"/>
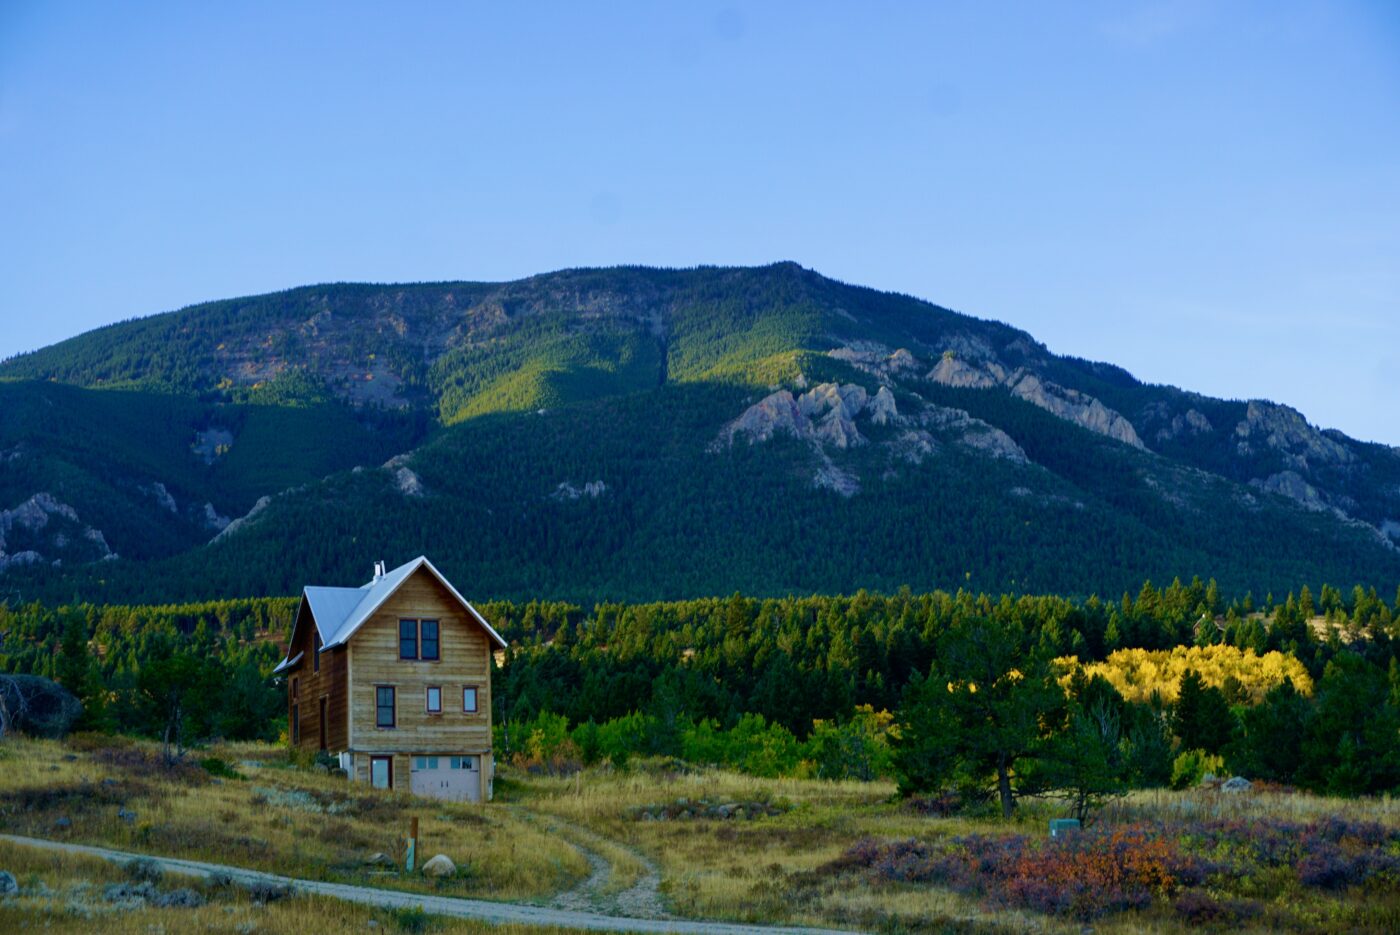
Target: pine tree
<point x="1202" y="718"/>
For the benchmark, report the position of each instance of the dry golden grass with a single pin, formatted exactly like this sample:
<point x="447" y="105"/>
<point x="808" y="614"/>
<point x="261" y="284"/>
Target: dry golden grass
<point x="261" y="821"/>
<point x="761" y="870"/>
<point x="530" y="843"/>
<point x="63" y="893"/>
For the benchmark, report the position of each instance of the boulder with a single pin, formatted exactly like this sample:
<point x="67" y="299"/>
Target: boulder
<point x="379" y="859"/>
<point x="1236" y="784"/>
<point x="126" y="814"/>
<point x="63" y="824"/>
<point x="8" y="886"/>
<point x="440" y="866"/>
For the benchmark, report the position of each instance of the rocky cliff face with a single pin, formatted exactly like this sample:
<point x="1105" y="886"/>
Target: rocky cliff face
<point x="827" y="417"/>
<point x="1270" y="426"/>
<point x="43" y="529"/>
<point x="1168" y="425"/>
<point x="1069" y="404"/>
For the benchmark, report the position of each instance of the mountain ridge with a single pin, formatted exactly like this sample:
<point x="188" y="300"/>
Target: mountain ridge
<point x="841" y="389"/>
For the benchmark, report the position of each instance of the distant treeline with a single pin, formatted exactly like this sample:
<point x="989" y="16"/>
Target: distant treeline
<point x="674" y="678"/>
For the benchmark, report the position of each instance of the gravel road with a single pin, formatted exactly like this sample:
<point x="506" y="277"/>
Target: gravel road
<point x="479" y="909"/>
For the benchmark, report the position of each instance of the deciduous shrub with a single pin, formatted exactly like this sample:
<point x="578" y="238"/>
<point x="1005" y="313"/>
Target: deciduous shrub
<point x="1198" y="908"/>
<point x="1191" y="766"/>
<point x="1084" y="875"/>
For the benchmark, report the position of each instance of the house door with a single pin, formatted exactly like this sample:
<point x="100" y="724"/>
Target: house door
<point x="323" y="723"/>
<point x="381" y="772"/>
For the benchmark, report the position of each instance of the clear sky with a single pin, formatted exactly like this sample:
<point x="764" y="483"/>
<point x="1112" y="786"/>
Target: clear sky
<point x="1205" y="193"/>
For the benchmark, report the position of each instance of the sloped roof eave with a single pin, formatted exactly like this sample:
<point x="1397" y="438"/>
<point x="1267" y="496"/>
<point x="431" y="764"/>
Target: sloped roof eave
<point x="288" y="664"/>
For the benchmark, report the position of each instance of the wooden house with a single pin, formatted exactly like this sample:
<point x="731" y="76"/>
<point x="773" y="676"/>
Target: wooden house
<point x="395" y="678"/>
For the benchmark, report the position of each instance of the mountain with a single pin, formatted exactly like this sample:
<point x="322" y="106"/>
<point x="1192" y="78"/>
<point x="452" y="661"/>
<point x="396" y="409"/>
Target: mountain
<point x="638" y="434"/>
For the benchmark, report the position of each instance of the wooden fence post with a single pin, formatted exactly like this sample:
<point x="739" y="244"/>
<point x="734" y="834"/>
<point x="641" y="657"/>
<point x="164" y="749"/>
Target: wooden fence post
<point x="412" y="842"/>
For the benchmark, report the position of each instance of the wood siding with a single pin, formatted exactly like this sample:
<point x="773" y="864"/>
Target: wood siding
<point x="464" y="660"/>
<point x="330" y="683"/>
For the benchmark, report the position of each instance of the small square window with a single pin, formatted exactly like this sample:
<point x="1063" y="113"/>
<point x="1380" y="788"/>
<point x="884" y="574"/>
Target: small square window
<point x="432" y="762"/>
<point x="434" y="699"/>
<point x="420" y="762"/>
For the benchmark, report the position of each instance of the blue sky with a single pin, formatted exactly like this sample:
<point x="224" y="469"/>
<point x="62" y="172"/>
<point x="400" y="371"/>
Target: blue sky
<point x="1205" y="193"/>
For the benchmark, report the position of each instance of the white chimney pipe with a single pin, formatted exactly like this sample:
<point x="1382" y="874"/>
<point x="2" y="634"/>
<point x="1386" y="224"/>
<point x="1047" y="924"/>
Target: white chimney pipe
<point x="378" y="570"/>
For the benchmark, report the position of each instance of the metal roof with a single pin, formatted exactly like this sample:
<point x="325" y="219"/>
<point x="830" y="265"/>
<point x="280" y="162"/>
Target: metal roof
<point x="339" y="612"/>
<point x="286" y="664"/>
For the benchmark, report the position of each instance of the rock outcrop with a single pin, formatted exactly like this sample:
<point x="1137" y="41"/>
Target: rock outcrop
<point x="777" y="412"/>
<point x="212" y="443"/>
<point x="825" y="414"/>
<point x="1173" y="425"/>
<point x="826" y="417"/>
<point x="245" y="520"/>
<point x="915" y="445"/>
<point x="1273" y="427"/>
<point x="408" y="483"/>
<point x="830" y="476"/>
<point x="213" y="519"/>
<point x="1074" y="406"/>
<point x="162" y="496"/>
<point x="877" y="359"/>
<point x="1069" y="404"/>
<point x="567" y="491"/>
<point x="883" y="410"/>
<point x="953" y="371"/>
<point x="45" y="529"/>
<point x="970" y="432"/>
<point x="831" y="411"/>
<point x="1292" y="485"/>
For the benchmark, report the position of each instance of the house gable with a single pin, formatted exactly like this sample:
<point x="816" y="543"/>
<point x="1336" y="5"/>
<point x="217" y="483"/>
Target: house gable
<point x="464" y="660"/>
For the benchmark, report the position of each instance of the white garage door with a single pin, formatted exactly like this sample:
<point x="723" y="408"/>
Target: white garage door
<point x="447" y="777"/>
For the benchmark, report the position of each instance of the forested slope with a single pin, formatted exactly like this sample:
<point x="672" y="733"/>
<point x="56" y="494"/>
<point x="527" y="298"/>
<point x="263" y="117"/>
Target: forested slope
<point x="644" y="434"/>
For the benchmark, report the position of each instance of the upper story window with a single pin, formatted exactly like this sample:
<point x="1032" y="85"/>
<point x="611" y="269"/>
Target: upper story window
<point x="294" y="687"/>
<point x="433" y="699"/>
<point x="419" y="639"/>
<point x="384" y="706"/>
<point x="429" y="641"/>
<point x="315" y="652"/>
<point x="469" y="699"/>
